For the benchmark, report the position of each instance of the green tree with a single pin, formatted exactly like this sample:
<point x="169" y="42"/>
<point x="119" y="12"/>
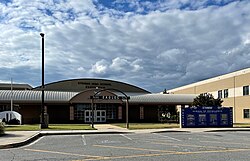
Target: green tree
<point x="207" y="100"/>
<point x="165" y="91"/>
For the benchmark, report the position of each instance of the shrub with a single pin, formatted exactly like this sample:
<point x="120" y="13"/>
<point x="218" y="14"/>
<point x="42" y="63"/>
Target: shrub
<point x="1" y="128"/>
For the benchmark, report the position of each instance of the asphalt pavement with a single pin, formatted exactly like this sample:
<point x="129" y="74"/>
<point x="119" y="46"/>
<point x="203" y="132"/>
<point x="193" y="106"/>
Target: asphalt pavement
<point x="13" y="139"/>
<point x="171" y="146"/>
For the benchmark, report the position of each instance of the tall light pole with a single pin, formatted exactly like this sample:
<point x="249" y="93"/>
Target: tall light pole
<point x="43" y="124"/>
<point x="127" y="124"/>
<point x="92" y="112"/>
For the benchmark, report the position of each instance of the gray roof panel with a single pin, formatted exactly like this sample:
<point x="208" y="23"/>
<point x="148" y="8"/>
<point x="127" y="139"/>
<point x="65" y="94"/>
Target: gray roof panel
<point x="30" y="96"/>
<point x="35" y="96"/>
<point x="163" y="98"/>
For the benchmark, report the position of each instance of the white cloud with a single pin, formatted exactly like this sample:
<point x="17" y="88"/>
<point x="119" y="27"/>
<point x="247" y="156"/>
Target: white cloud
<point x="246" y="39"/>
<point x="118" y="67"/>
<point x="156" y="50"/>
<point x="100" y="67"/>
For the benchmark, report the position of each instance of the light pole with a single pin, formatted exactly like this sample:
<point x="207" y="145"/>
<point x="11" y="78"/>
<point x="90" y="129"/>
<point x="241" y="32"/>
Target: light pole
<point x="43" y="124"/>
<point x="127" y="124"/>
<point x="92" y="112"/>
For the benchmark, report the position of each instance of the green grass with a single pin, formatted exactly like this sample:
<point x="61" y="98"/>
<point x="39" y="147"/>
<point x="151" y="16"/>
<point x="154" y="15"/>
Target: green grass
<point x="70" y="127"/>
<point x="133" y="126"/>
<point x="36" y="127"/>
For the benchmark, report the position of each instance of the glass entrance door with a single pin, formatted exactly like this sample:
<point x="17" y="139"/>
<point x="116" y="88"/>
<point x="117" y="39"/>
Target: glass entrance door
<point x="99" y="116"/>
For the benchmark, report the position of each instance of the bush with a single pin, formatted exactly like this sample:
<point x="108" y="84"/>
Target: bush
<point x="1" y="128"/>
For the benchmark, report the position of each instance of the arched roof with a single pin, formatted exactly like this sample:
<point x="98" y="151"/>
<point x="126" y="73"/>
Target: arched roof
<point x="77" y="85"/>
<point x="84" y="97"/>
<point x="28" y="96"/>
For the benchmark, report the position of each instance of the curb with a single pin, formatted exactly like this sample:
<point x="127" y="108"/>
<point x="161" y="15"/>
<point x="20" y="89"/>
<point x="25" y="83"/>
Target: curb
<point x="170" y="131"/>
<point x="227" y="130"/>
<point x="21" y="143"/>
<point x="81" y="133"/>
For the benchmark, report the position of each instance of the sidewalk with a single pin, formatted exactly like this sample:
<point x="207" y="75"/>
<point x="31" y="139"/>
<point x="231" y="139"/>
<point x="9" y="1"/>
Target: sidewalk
<point x="14" y="139"/>
<point x="17" y="138"/>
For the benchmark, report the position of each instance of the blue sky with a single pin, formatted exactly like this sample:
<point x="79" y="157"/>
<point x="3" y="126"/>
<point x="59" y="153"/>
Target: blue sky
<point x="147" y="6"/>
<point x="153" y="44"/>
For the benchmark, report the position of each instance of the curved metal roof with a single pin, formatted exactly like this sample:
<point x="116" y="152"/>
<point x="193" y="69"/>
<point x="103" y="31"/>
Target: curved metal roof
<point x="30" y="96"/>
<point x="163" y="99"/>
<point x="78" y="85"/>
<point x="35" y="96"/>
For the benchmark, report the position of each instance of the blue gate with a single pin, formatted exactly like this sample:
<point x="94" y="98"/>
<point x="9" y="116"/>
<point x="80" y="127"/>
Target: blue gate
<point x="207" y="117"/>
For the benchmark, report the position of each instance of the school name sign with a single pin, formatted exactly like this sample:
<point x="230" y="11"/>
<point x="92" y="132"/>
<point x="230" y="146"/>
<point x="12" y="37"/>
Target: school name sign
<point x="207" y="117"/>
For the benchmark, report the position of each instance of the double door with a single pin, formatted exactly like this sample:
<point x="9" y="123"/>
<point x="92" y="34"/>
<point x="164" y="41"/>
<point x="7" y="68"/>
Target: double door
<point x="99" y="116"/>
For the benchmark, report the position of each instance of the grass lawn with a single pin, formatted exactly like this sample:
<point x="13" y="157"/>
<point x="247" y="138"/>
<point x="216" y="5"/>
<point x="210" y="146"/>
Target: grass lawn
<point x="36" y="127"/>
<point x="133" y="126"/>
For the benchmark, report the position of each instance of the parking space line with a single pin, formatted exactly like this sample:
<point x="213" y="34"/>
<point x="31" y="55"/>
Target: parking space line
<point x="34" y="142"/>
<point x="84" y="140"/>
<point x="132" y="148"/>
<point x="162" y="154"/>
<point x="211" y="137"/>
<point x="126" y="137"/>
<point x="165" y="136"/>
<point x="126" y="156"/>
<point x="214" y="151"/>
<point x="233" y="143"/>
<point x="187" y="145"/>
<point x="63" y="153"/>
<point x="148" y="139"/>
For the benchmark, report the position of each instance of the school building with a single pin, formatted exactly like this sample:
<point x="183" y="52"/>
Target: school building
<point x="70" y="101"/>
<point x="232" y="88"/>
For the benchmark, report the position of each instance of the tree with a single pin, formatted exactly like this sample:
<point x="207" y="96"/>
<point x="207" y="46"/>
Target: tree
<point x="165" y="91"/>
<point x="207" y="100"/>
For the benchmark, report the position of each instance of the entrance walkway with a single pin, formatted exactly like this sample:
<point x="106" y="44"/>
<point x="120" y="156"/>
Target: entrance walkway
<point x="109" y="127"/>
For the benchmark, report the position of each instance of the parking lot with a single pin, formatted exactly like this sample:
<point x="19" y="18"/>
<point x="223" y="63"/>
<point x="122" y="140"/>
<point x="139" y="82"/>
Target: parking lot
<point x="171" y="146"/>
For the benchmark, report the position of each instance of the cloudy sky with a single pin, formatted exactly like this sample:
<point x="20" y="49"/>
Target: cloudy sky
<point x="153" y="44"/>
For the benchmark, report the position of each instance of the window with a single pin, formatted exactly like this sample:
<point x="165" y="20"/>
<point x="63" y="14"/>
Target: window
<point x="246" y="113"/>
<point x="220" y="94"/>
<point x="245" y="90"/>
<point x="225" y="93"/>
<point x="79" y="110"/>
<point x="120" y="112"/>
<point x="111" y="112"/>
<point x="141" y="112"/>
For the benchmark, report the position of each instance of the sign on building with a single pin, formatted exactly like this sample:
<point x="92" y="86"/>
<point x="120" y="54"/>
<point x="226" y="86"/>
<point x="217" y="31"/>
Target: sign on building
<point x="207" y="117"/>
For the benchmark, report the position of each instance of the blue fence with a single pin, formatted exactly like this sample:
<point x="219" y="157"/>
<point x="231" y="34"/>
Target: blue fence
<point x="207" y="117"/>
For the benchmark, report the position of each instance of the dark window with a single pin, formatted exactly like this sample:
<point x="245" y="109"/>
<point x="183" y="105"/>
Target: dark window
<point x="246" y="113"/>
<point x="245" y="90"/>
<point x="225" y="93"/>
<point x="220" y="94"/>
